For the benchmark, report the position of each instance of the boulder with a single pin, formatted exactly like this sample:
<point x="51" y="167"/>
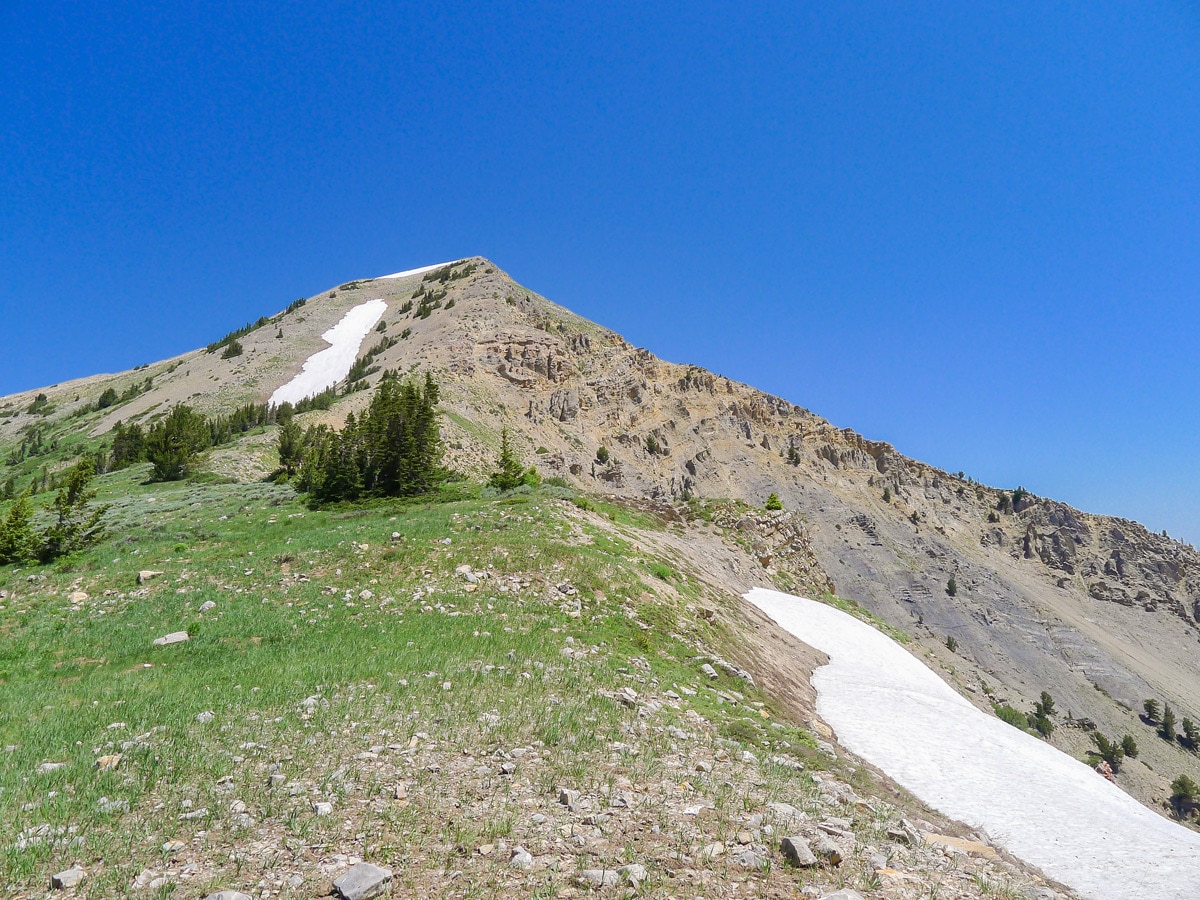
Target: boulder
<point x="175" y="637"/>
<point x="67" y="879"/>
<point x="363" y="881"/>
<point x="796" y="851"/>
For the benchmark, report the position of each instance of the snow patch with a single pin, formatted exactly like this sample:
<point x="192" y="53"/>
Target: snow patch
<point x="420" y="271"/>
<point x="327" y="367"/>
<point x="1043" y="806"/>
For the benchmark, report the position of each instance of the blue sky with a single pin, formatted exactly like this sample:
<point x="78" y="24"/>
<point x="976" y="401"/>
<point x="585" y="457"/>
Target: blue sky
<point x="972" y="230"/>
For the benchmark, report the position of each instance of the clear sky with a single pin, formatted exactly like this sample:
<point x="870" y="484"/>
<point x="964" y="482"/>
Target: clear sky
<point x="969" y="229"/>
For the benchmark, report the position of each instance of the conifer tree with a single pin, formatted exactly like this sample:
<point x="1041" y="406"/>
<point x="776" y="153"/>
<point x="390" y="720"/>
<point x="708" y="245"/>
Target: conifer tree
<point x="1166" y="728"/>
<point x="18" y="542"/>
<point x="77" y="524"/>
<point x="509" y="472"/>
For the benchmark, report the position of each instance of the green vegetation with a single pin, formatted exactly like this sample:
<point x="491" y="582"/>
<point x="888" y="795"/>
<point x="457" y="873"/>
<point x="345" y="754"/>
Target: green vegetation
<point x="232" y="349"/>
<point x="1109" y="751"/>
<point x="392" y="450"/>
<point x="1013" y="717"/>
<point x="1129" y="746"/>
<point x="1166" y="727"/>
<point x="602" y="455"/>
<point x="952" y="587"/>
<point x="510" y="471"/>
<point x="773" y="504"/>
<point x="76" y="522"/>
<point x="1184" y="794"/>
<point x="233" y="336"/>
<point x="1152" y="710"/>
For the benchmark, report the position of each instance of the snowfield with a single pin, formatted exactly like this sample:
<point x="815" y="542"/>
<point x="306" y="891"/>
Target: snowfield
<point x="327" y="367"/>
<point x="1043" y="806"/>
<point x="420" y="271"/>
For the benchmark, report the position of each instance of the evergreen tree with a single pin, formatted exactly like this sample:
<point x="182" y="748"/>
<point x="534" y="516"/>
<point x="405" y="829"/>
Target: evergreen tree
<point x="1045" y="706"/>
<point x="1184" y="792"/>
<point x="18" y="542"/>
<point x="1129" y="745"/>
<point x="509" y="472"/>
<point x="173" y="444"/>
<point x="1166" y="728"/>
<point x="1110" y="752"/>
<point x="291" y="447"/>
<point x="774" y="504"/>
<point x="77" y="524"/>
<point x="1191" y="734"/>
<point x="128" y="446"/>
<point x="1151" y="708"/>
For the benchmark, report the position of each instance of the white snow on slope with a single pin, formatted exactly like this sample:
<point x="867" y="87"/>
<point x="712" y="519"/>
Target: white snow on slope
<point x="420" y="271"/>
<point x="1043" y="806"/>
<point x="327" y="367"/>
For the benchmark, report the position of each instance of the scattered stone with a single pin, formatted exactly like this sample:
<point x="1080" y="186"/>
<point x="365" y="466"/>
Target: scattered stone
<point x="796" y="850"/>
<point x="205" y="717"/>
<point x="112" y="806"/>
<point x="828" y="851"/>
<point x="104" y="763"/>
<point x="749" y="859"/>
<point x="175" y="637"/>
<point x="146" y="574"/>
<point x="47" y="767"/>
<point x="963" y="845"/>
<point x="843" y="894"/>
<point x="569" y="799"/>
<point x="228" y="895"/>
<point x="67" y="879"/>
<point x="277" y="779"/>
<point x="713" y="851"/>
<point x="785" y="813"/>
<point x="322" y="808"/>
<point x="708" y="670"/>
<point x="363" y="881"/>
<point x="521" y="859"/>
<point x="173" y="846"/>
<point x="207" y="605"/>
<point x="598" y="878"/>
<point x="633" y="874"/>
<point x="77" y="597"/>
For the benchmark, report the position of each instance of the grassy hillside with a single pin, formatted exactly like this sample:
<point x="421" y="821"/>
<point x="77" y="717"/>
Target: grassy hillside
<point x="351" y="657"/>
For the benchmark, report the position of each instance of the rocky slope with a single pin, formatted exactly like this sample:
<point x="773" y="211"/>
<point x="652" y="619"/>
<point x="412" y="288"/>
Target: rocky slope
<point x="1096" y="610"/>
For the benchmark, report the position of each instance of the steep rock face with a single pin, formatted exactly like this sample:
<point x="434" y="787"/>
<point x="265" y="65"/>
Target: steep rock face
<point x="1089" y="607"/>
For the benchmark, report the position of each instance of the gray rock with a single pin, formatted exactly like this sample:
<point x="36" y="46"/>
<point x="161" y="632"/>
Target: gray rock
<point x="796" y="850"/>
<point x="47" y="767"/>
<point x="521" y="858"/>
<point x="146" y="574"/>
<point x="277" y="779"/>
<point x="228" y="895"/>
<point x="785" y="812"/>
<point x="598" y="878"/>
<point x="207" y="605"/>
<point x="363" y="881"/>
<point x="749" y="859"/>
<point x="175" y="637"/>
<point x="321" y="808"/>
<point x="67" y="878"/>
<point x="843" y="894"/>
<point x="205" y="717"/>
<point x="708" y="670"/>
<point x="828" y="851"/>
<point x="569" y="799"/>
<point x="633" y="874"/>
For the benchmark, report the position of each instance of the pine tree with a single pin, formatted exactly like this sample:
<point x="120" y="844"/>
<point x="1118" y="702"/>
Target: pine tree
<point x="1110" y="752"/>
<point x="509" y="472"/>
<point x="1129" y="745"/>
<point x="1151" y="708"/>
<point x="1166" y="729"/>
<point x="1191" y="733"/>
<point x="291" y="447"/>
<point x="18" y="542"/>
<point x="1184" y="792"/>
<point x="173" y="444"/>
<point x="774" y="504"/>
<point x="77" y="524"/>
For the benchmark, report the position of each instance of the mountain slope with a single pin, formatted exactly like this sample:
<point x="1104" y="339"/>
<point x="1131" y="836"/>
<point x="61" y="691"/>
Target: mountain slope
<point x="1096" y="610"/>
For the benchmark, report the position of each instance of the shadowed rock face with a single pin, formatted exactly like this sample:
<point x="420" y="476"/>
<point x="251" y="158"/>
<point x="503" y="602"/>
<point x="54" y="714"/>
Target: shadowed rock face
<point x="1097" y="610"/>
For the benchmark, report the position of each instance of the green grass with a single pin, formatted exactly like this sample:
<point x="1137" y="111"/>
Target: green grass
<point x="291" y="621"/>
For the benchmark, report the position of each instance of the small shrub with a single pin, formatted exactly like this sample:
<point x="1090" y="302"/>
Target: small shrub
<point x="1129" y="745"/>
<point x="602" y="455"/>
<point x="1013" y="717"/>
<point x="951" y="643"/>
<point x="887" y="495"/>
<point x="774" y="503"/>
<point x="952" y="587"/>
<point x="232" y="349"/>
<point x="652" y="445"/>
<point x="1112" y="753"/>
<point x="1184" y="792"/>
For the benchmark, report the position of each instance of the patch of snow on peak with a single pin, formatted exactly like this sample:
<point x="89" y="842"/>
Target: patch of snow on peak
<point x="1043" y="806"/>
<point x="327" y="367"/>
<point x="420" y="271"/>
